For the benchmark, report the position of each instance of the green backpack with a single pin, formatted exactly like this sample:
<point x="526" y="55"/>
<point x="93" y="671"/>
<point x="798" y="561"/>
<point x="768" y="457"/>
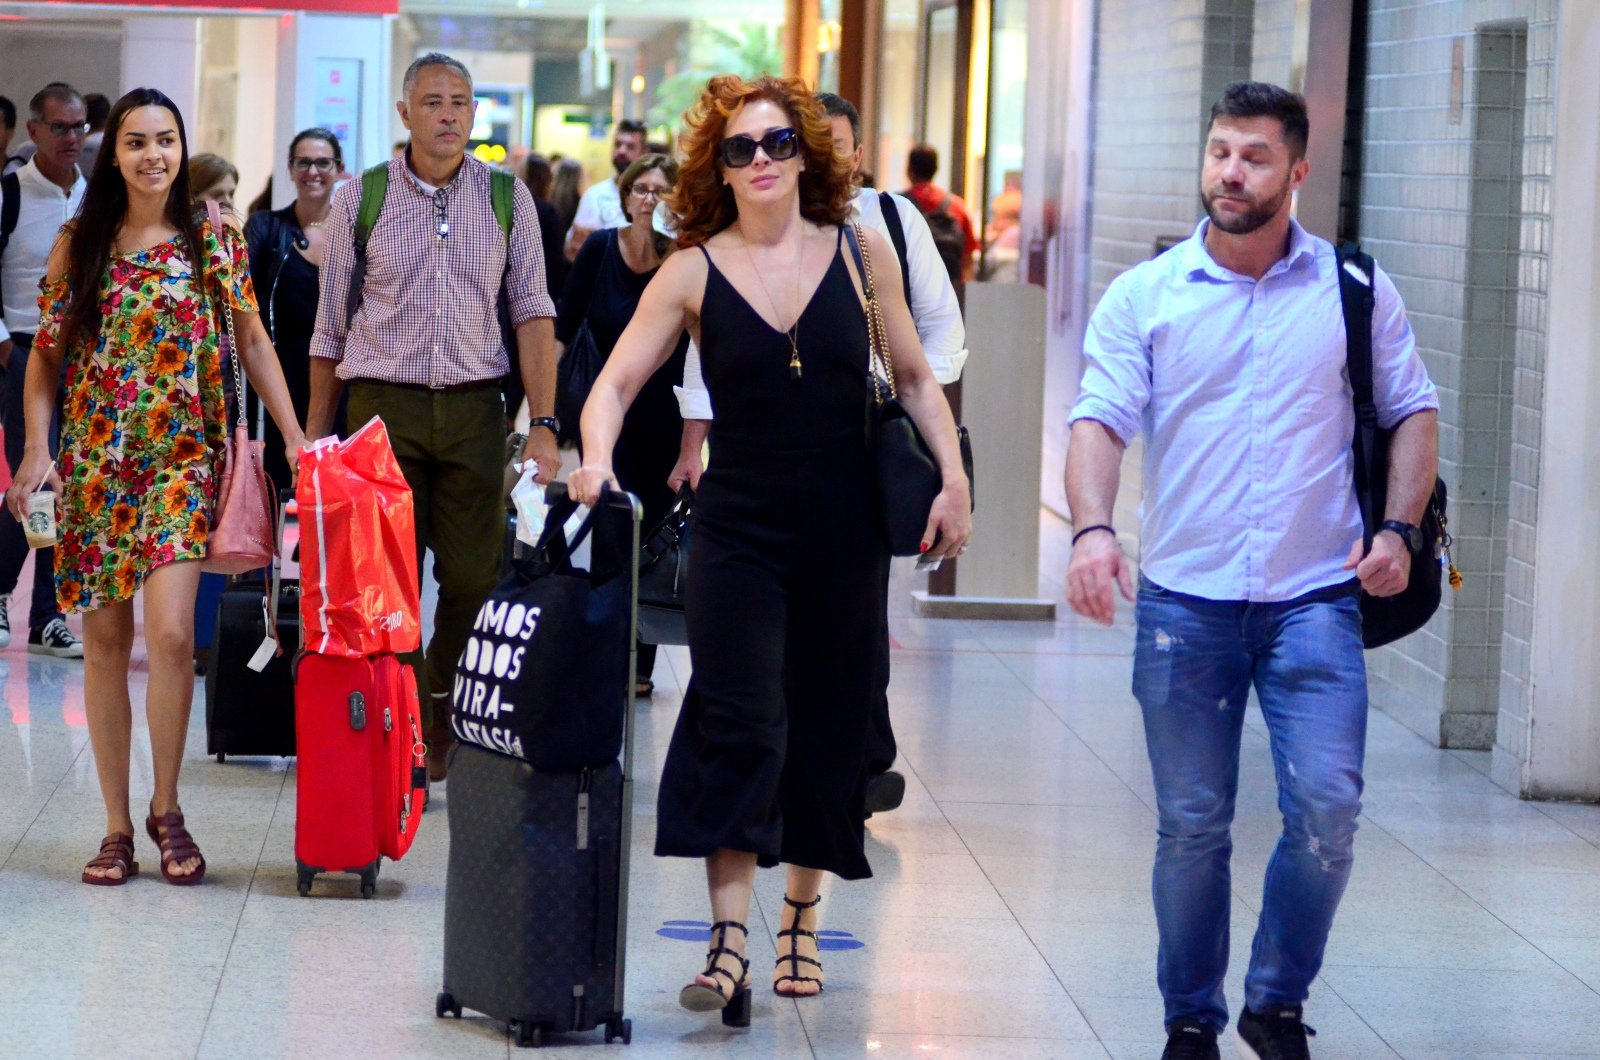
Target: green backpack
<point x="375" y="186"/>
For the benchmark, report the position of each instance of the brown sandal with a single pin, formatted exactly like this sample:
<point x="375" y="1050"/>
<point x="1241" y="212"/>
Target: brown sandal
<point x="116" y="852"/>
<point x="176" y="845"/>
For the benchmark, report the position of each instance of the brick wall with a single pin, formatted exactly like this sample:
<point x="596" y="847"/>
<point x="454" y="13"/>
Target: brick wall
<point x="1437" y="211"/>
<point x="1159" y="65"/>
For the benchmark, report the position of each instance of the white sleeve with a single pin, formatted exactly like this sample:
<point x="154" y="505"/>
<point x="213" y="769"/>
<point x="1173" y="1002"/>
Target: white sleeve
<point x="933" y="299"/>
<point x="694" y="400"/>
<point x="588" y="214"/>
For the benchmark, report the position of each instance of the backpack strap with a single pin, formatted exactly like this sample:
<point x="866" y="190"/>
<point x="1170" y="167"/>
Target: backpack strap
<point x="502" y="195"/>
<point x="897" y="236"/>
<point x="10" y="207"/>
<point x="1356" y="296"/>
<point x="374" y="188"/>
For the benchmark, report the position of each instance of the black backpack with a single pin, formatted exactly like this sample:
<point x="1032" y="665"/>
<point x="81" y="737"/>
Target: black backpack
<point x="948" y="237"/>
<point x="1386" y="619"/>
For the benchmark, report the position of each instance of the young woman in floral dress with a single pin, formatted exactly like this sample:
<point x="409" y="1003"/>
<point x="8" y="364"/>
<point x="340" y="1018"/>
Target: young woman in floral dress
<point x="143" y="420"/>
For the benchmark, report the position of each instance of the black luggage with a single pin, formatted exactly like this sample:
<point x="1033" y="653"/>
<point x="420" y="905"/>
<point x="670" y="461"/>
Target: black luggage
<point x="251" y="712"/>
<point x="536" y="887"/>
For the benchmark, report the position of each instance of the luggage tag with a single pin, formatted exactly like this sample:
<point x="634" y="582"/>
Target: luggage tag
<point x="269" y="646"/>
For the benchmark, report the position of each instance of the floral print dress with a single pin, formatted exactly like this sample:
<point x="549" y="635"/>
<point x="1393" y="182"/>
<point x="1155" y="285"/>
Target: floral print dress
<point x="143" y="419"/>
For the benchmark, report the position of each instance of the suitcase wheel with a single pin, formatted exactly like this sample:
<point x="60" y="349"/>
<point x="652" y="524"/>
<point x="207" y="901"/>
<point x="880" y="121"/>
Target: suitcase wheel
<point x="445" y="1005"/>
<point x="369" y="879"/>
<point x="619" y="1029"/>
<point x="303" y="878"/>
<point x="221" y="758"/>
<point x="528" y="1035"/>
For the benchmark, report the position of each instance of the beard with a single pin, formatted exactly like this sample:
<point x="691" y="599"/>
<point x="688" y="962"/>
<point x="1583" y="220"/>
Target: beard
<point x="1257" y="214"/>
<point x="620" y="163"/>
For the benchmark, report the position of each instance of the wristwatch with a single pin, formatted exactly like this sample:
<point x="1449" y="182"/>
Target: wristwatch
<point x="546" y="421"/>
<point x="1411" y="535"/>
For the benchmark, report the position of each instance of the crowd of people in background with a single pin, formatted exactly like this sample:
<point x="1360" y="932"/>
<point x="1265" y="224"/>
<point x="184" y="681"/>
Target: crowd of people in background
<point x="734" y="269"/>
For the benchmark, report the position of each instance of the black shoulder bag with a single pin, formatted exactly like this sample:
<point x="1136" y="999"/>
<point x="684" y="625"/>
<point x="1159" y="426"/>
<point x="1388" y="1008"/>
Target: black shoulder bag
<point x="909" y="479"/>
<point x="1386" y="619"/>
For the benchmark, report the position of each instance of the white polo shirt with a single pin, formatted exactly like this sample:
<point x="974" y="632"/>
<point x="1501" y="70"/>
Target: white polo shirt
<point x="45" y="208"/>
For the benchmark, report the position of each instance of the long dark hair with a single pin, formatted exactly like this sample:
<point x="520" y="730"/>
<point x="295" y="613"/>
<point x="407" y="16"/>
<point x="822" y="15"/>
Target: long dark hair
<point x="93" y="231"/>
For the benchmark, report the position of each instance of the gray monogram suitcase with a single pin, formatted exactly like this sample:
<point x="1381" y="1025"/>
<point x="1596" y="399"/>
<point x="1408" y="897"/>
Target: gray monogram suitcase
<point x="536" y="889"/>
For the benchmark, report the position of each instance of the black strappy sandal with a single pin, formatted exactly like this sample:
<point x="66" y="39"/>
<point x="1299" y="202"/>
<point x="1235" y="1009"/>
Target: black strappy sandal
<point x="735" y="1004"/>
<point x="794" y="933"/>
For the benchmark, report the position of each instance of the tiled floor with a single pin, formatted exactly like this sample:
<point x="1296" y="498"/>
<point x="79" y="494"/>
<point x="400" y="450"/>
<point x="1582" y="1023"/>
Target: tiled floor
<point x="1009" y="915"/>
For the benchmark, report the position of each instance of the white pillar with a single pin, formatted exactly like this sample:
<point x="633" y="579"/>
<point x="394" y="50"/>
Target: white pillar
<point x="1560" y="758"/>
<point x="255" y="108"/>
<point x="334" y="70"/>
<point x="164" y="53"/>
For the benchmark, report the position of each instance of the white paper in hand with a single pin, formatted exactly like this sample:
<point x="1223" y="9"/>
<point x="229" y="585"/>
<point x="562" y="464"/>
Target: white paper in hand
<point x="527" y="497"/>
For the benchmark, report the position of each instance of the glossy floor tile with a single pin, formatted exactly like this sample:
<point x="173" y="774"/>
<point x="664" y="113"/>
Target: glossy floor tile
<point x="1009" y="914"/>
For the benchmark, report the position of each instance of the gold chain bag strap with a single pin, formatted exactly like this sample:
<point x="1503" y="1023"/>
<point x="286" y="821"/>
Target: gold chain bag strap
<point x="909" y="478"/>
<point x="243" y="537"/>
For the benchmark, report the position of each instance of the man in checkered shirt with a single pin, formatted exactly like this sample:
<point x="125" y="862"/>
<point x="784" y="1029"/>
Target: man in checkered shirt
<point x="424" y="353"/>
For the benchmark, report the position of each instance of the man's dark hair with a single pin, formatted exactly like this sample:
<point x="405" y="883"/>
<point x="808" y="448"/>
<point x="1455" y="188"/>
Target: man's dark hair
<point x="839" y="107"/>
<point x="54" y="92"/>
<point x="1257" y="99"/>
<point x="629" y="125"/>
<point x="98" y="109"/>
<point x="922" y="163"/>
<point x="8" y="113"/>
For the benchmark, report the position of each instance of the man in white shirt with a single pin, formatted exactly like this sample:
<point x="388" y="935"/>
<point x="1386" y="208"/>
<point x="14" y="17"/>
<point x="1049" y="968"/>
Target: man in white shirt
<point x="46" y="192"/>
<point x="601" y="204"/>
<point x="937" y="314"/>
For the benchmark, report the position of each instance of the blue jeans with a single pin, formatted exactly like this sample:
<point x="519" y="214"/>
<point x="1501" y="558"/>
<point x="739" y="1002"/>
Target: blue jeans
<point x="1193" y="667"/>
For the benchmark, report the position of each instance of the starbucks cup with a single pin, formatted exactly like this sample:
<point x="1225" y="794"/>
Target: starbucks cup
<point x="40" y="528"/>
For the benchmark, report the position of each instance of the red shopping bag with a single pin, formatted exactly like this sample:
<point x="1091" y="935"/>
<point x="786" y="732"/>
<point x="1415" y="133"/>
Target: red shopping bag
<point x="359" y="592"/>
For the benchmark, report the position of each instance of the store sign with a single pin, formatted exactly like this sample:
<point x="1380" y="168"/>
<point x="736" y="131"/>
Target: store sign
<point x="337" y="106"/>
<point x="315" y="7"/>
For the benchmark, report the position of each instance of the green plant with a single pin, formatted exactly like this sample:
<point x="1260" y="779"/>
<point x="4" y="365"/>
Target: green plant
<point x="748" y="49"/>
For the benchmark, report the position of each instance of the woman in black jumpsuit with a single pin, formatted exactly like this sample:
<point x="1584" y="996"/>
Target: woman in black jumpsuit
<point x="768" y="764"/>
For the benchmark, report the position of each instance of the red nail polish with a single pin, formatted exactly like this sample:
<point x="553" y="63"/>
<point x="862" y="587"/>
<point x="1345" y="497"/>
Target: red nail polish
<point x="923" y="547"/>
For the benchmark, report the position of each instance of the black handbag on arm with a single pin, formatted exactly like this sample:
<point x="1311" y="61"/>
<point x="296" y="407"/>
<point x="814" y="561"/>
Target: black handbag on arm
<point x="663" y="573"/>
<point x="909" y="479"/>
<point x="1388" y="618"/>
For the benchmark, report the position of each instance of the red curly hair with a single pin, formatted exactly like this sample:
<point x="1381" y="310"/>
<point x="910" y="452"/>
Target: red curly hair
<point x="704" y="205"/>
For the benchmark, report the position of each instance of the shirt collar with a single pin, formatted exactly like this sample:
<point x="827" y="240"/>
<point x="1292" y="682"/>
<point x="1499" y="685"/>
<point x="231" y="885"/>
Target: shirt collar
<point x="1197" y="261"/>
<point x="29" y="171"/>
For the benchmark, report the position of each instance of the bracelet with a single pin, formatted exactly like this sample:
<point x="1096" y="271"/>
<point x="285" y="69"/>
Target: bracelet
<point x="1091" y="529"/>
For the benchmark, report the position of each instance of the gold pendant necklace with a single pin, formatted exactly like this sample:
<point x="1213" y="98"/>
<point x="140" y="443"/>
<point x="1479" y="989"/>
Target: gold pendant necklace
<point x="793" y="332"/>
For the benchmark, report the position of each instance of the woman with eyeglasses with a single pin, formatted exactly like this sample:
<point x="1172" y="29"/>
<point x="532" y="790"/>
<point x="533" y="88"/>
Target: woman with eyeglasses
<point x="609" y="276"/>
<point x="768" y="763"/>
<point x="285" y="258"/>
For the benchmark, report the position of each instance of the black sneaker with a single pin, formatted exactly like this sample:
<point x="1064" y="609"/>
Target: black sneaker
<point x="885" y="792"/>
<point x="54" y="638"/>
<point x="1278" y="1033"/>
<point x="1190" y="1040"/>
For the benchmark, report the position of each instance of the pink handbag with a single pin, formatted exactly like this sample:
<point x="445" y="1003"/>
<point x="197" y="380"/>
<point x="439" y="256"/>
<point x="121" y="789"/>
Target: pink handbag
<point x="243" y="535"/>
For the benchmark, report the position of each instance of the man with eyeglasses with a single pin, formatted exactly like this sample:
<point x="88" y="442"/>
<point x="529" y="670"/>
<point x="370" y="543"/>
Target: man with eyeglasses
<point x="423" y="352"/>
<point x="35" y="202"/>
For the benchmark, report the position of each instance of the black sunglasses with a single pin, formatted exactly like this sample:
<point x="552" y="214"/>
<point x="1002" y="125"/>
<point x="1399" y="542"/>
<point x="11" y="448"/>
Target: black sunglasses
<point x="739" y="151"/>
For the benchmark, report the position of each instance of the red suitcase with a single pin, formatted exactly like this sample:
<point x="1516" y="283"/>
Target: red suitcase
<point x="362" y="769"/>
